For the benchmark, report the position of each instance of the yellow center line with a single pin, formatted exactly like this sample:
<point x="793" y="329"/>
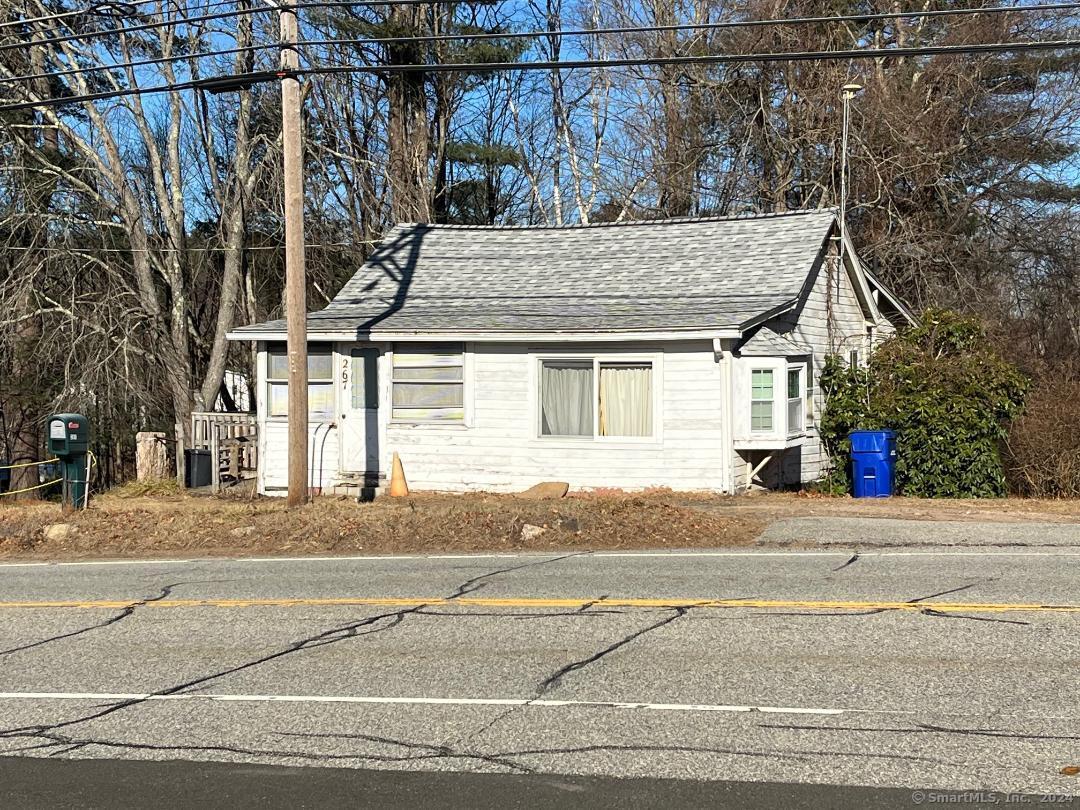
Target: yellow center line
<point x="546" y="603"/>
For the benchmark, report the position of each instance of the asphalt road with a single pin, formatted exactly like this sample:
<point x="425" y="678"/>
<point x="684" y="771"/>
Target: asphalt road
<point x="893" y="670"/>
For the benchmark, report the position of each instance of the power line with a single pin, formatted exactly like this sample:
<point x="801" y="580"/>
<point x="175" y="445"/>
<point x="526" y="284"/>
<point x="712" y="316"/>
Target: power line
<point x="220" y="15"/>
<point x="236" y="81"/>
<point x="708" y="59"/>
<point x="648" y="29"/>
<point x="92" y="249"/>
<point x="101" y="8"/>
<point x="536" y="34"/>
<point x="160" y="60"/>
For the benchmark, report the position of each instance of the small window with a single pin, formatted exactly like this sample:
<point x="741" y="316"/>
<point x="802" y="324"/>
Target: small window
<point x="853" y="358"/>
<point x="320" y="382"/>
<point x="761" y="400"/>
<point x="795" y="406"/>
<point x="363" y="379"/>
<point x="591" y="398"/>
<point x="429" y="383"/>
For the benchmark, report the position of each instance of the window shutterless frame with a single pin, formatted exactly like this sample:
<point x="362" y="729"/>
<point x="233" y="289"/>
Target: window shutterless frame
<point x="320" y="382"/>
<point x="428" y="383"/>
<point x="653" y="361"/>
<point x="796" y="398"/>
<point x="762" y="400"/>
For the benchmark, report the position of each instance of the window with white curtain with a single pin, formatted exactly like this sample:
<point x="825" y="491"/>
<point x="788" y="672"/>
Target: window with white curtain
<point x="428" y="383"/>
<point x="566" y="393"/>
<point x="593" y="398"/>
<point x="320" y="381"/>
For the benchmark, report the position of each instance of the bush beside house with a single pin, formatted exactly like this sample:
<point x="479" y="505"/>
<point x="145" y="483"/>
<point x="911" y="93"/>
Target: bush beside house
<point x="948" y="395"/>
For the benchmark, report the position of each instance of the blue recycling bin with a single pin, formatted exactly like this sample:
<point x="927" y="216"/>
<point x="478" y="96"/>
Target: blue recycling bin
<point x="873" y="463"/>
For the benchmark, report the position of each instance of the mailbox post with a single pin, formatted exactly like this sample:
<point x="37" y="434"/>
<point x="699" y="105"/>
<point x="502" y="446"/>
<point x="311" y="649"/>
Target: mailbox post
<point x="69" y="440"/>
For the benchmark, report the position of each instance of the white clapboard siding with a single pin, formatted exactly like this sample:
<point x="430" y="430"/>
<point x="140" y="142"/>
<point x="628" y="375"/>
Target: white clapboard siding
<point x="811" y="327"/>
<point x="322" y="455"/>
<point x="499" y="450"/>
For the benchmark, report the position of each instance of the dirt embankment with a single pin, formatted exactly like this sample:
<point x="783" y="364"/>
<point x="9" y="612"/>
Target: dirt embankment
<point x="141" y="524"/>
<point x="169" y="525"/>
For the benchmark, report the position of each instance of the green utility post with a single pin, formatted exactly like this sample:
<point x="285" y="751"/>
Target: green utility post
<point x="69" y="440"/>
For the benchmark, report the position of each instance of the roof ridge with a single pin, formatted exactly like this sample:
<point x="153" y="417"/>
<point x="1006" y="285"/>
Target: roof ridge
<point x="619" y="224"/>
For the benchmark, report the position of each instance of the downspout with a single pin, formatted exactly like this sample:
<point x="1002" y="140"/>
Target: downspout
<point x="722" y="353"/>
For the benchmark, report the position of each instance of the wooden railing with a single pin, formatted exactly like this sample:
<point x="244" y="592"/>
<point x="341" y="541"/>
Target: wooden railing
<point x="232" y="439"/>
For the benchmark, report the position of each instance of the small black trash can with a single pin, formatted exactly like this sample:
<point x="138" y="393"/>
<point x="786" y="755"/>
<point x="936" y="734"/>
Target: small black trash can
<point x="197" y="471"/>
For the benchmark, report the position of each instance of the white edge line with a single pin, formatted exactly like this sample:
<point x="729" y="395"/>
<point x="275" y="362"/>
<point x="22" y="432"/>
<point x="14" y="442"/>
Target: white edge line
<point x="428" y="701"/>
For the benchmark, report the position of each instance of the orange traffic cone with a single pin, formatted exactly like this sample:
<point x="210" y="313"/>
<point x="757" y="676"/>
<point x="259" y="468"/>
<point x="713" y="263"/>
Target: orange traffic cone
<point x="398" y="487"/>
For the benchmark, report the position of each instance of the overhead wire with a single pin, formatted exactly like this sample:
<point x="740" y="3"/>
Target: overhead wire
<point x="727" y="24"/>
<point x="236" y="81"/>
<point x="504" y="35"/>
<point x="120" y="8"/>
<point x="220" y="15"/>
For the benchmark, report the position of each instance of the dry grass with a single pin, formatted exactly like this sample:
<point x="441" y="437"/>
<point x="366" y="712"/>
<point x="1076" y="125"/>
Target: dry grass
<point x="128" y="523"/>
<point x="137" y="526"/>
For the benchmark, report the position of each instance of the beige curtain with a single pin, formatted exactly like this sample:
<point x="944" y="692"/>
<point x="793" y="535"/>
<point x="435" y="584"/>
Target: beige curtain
<point x="625" y="400"/>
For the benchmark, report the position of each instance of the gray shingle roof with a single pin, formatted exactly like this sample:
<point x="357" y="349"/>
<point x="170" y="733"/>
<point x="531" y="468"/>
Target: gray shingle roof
<point x="764" y="342"/>
<point x="666" y="275"/>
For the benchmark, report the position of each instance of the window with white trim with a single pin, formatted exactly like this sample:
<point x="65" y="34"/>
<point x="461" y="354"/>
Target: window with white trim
<point x="761" y="400"/>
<point x="796" y="408"/>
<point x="853" y="359"/>
<point x="428" y="382"/>
<point x="320" y="364"/>
<point x="593" y="398"/>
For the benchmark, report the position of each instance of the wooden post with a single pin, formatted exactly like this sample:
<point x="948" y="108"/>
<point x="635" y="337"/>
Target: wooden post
<point x="295" y="278"/>
<point x="151" y="461"/>
<point x="215" y="460"/>
<point x="179" y="456"/>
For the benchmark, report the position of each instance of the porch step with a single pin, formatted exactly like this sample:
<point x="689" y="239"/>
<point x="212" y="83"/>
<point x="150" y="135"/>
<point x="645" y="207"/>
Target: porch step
<point x="362" y="487"/>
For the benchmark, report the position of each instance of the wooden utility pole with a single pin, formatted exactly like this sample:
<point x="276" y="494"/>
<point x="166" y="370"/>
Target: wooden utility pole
<point x="295" y="275"/>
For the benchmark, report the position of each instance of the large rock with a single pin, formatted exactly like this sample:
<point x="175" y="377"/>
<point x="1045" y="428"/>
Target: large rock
<point x="546" y="491"/>
<point x="59" y="531"/>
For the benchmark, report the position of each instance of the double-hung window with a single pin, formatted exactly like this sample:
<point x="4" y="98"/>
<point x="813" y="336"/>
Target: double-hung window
<point x="320" y="363"/>
<point x="593" y="398"/>
<point x="761" y="400"/>
<point x="428" y="383"/>
<point x="796" y="410"/>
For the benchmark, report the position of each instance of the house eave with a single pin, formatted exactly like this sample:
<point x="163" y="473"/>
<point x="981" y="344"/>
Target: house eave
<point x="727" y="333"/>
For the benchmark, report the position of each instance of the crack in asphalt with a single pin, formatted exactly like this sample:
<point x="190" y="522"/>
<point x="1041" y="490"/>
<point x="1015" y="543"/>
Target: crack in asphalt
<point x="50" y="732"/>
<point x="555" y="678"/>
<point x="851" y="561"/>
<point x="938" y="613"/>
<point x="166" y="591"/>
<point x="476" y="583"/>
<point x="925" y="728"/>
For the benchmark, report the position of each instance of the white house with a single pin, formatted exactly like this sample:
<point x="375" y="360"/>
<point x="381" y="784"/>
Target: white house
<point x="676" y="353"/>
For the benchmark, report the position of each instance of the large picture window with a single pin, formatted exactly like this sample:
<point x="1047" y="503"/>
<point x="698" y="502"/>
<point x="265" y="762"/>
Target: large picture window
<point x="320" y="382"/>
<point x="592" y="398"/>
<point x="429" y="383"/>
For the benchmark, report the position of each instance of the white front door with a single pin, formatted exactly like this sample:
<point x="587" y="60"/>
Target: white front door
<point x="359" y="405"/>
